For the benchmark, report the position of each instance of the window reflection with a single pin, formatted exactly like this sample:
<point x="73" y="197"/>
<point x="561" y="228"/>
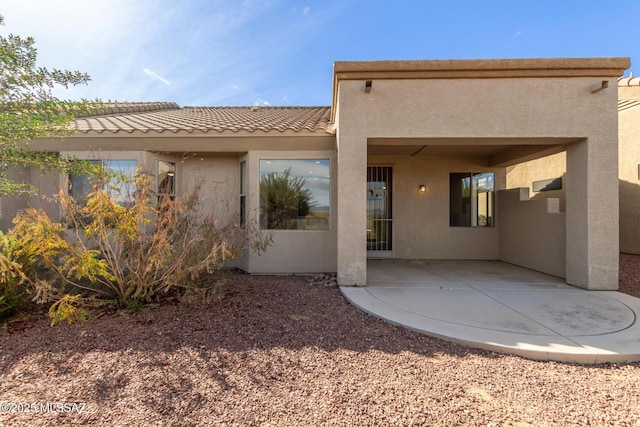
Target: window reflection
<point x="166" y="180"/>
<point x="471" y="199"/>
<point x="294" y="194"/>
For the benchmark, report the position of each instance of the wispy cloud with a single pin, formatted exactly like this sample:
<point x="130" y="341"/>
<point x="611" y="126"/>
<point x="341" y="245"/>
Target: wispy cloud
<point x="517" y="34"/>
<point x="229" y="60"/>
<point x="261" y="102"/>
<point x="153" y="74"/>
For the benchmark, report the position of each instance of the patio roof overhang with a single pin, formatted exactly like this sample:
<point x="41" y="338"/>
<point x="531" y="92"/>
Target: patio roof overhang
<point x="499" y="152"/>
<point x="475" y="68"/>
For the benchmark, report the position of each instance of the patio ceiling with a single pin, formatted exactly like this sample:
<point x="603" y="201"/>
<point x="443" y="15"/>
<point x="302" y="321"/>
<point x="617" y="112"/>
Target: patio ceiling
<point x="498" y="151"/>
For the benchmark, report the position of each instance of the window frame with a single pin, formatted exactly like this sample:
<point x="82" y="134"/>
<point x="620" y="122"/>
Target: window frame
<point x="243" y="192"/>
<point x="472" y="218"/>
<point x="172" y="174"/>
<point x="105" y="163"/>
<point x="325" y="218"/>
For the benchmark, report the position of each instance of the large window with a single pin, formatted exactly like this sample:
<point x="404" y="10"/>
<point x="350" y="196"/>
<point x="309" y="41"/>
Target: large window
<point x="120" y="182"/>
<point x="294" y="194"/>
<point x="471" y="200"/>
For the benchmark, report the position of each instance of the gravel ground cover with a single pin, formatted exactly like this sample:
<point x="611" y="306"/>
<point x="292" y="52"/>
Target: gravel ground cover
<point x="279" y="351"/>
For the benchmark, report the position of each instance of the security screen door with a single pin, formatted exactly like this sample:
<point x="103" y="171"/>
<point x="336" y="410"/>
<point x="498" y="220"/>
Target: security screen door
<point x="379" y="212"/>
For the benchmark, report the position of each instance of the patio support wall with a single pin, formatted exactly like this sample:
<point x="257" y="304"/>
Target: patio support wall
<point x="352" y="224"/>
<point x="351" y="147"/>
<point x="592" y="211"/>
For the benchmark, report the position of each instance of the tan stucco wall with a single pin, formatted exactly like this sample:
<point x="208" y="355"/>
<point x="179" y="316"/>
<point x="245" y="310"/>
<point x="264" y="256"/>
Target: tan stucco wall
<point x="629" y="172"/>
<point x="217" y="179"/>
<point x="351" y="218"/>
<point x="491" y="108"/>
<point x="629" y="89"/>
<point x="532" y="232"/>
<point x="293" y="251"/>
<point x="476" y="108"/>
<point x="9" y="206"/>
<point x="45" y="182"/>
<point x="421" y="221"/>
<point x="524" y="174"/>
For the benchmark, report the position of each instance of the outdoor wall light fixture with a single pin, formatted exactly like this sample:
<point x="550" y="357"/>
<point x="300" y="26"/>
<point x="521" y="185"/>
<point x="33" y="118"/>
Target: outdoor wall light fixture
<point x="367" y="86"/>
<point x="422" y="189"/>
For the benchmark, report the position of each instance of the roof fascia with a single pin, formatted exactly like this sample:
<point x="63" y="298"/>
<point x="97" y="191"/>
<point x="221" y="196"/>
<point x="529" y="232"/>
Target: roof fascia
<point x="167" y="133"/>
<point x="186" y="142"/>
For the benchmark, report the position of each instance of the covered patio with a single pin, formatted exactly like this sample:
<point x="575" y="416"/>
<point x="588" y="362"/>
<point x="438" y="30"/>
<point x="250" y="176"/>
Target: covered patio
<point x="429" y="128"/>
<point x="504" y="308"/>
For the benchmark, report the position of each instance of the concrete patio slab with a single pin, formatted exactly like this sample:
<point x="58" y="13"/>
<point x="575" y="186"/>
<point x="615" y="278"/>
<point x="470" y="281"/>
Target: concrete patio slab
<point x="503" y="308"/>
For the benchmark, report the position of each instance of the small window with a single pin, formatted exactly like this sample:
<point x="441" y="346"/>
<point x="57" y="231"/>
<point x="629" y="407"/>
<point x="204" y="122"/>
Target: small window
<point x="166" y="180"/>
<point x="80" y="186"/>
<point x="547" y="185"/>
<point x="471" y="200"/>
<point x="243" y="192"/>
<point x="294" y="194"/>
<point x="121" y="180"/>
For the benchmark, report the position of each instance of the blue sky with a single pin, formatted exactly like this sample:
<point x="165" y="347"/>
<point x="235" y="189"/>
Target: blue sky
<point x="281" y="52"/>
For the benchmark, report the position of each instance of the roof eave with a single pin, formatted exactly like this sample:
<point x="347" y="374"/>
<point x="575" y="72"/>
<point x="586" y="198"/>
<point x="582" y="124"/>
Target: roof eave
<point x="122" y="133"/>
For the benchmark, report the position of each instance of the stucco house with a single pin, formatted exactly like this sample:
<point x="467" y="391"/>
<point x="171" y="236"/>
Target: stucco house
<point x="410" y="161"/>
<point x="545" y="177"/>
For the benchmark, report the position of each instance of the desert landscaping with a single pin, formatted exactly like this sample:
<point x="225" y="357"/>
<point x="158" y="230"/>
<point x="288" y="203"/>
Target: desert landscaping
<point x="287" y="350"/>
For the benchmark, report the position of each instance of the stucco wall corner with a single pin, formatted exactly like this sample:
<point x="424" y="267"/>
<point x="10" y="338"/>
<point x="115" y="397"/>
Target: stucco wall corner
<point x="531" y="232"/>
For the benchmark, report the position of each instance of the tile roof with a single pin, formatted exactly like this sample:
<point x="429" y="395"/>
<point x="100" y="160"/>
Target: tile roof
<point x="169" y="117"/>
<point x="627" y="101"/>
<point x="629" y="81"/>
<point x="129" y="107"/>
